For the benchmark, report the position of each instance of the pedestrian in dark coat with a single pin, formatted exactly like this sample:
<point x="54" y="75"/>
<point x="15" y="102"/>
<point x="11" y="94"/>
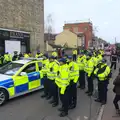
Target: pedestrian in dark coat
<point x="116" y="90"/>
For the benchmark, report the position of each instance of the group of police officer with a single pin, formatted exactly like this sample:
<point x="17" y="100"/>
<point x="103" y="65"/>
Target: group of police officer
<point x="62" y="75"/>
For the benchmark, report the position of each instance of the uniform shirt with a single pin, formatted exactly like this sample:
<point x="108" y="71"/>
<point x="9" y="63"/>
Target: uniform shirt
<point x="52" y="70"/>
<point x="102" y="72"/>
<point x="74" y="52"/>
<point x="54" y="54"/>
<point x="62" y="79"/>
<point x="89" y="67"/>
<point x="81" y="61"/>
<point x="114" y="57"/>
<point x="74" y="71"/>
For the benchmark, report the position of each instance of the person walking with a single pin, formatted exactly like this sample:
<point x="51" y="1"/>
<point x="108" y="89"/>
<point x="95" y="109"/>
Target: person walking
<point x="113" y="60"/>
<point x="116" y="90"/>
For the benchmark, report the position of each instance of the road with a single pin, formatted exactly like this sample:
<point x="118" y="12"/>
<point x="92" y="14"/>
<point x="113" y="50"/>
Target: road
<point x="32" y="107"/>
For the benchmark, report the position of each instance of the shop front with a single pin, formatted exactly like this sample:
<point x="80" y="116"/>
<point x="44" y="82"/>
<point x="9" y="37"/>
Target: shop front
<point x="12" y="40"/>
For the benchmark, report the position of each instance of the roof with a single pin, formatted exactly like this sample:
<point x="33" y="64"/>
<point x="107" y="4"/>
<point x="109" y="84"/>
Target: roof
<point x="22" y="61"/>
<point x="67" y="24"/>
<point x="47" y="35"/>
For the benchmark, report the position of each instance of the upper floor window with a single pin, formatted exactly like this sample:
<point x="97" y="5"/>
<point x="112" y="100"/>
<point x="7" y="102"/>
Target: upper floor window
<point x="75" y="29"/>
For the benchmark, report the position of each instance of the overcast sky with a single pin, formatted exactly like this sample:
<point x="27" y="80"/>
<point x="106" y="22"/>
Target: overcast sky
<point x="105" y="15"/>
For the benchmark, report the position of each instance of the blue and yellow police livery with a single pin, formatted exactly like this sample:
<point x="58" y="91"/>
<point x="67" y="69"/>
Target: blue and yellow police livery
<point x="20" y="77"/>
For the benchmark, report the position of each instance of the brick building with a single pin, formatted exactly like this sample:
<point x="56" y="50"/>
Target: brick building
<point x="23" y="16"/>
<point x="84" y="27"/>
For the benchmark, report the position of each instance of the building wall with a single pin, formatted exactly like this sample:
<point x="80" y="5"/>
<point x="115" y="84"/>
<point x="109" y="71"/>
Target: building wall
<point x="25" y="15"/>
<point x="66" y="37"/>
<point x="85" y="28"/>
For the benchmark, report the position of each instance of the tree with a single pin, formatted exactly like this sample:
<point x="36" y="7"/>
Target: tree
<point x="48" y="29"/>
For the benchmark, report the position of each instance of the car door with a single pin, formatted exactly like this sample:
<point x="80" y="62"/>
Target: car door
<point x="27" y="79"/>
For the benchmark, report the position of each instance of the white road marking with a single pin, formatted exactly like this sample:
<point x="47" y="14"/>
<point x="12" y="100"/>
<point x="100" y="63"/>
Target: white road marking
<point x="101" y="113"/>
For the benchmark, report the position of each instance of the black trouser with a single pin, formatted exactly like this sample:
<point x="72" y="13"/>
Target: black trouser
<point x="82" y="79"/>
<point x="74" y="57"/>
<point x="102" y="90"/>
<point x="115" y="101"/>
<point x="90" y="84"/>
<point x="65" y="99"/>
<point x="72" y="93"/>
<point x="46" y="85"/>
<point x="113" y="64"/>
<point x="53" y="91"/>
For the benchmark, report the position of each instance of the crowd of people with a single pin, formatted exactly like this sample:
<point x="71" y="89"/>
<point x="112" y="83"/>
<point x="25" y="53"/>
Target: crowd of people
<point x="62" y="75"/>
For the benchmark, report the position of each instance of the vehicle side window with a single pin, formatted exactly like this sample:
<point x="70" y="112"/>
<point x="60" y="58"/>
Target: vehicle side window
<point x="30" y="68"/>
<point x="40" y="65"/>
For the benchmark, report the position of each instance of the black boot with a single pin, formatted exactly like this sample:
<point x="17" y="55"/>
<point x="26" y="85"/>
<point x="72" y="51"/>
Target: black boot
<point x="63" y="114"/>
<point x="72" y="106"/>
<point x="43" y="96"/>
<point x="61" y="109"/>
<point x="48" y="97"/>
<point x="52" y="101"/>
<point x="87" y="92"/>
<point x="97" y="100"/>
<point x="54" y="104"/>
<point x="103" y="102"/>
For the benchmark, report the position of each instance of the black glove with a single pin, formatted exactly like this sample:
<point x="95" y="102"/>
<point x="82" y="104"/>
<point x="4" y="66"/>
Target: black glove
<point x="51" y="69"/>
<point x="70" y="68"/>
<point x="58" y="73"/>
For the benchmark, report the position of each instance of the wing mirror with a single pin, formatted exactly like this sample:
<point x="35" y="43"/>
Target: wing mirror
<point x="23" y="73"/>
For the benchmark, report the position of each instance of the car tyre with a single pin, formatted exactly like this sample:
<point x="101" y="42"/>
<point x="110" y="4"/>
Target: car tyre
<point x="3" y="96"/>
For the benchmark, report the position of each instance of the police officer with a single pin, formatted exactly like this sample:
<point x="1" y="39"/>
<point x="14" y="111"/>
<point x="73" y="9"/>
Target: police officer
<point x="26" y="55"/>
<point x="89" y="67"/>
<point x="81" y="61"/>
<point x="73" y="76"/>
<point x="52" y="74"/>
<point x="45" y="64"/>
<point x="102" y="72"/>
<point x="74" y="55"/>
<point x="38" y="54"/>
<point x="7" y="58"/>
<point x="15" y="56"/>
<point x="1" y="60"/>
<point x="62" y="81"/>
<point x="54" y="53"/>
<point x="20" y="55"/>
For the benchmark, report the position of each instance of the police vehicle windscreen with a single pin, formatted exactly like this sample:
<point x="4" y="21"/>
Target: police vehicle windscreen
<point x="10" y="68"/>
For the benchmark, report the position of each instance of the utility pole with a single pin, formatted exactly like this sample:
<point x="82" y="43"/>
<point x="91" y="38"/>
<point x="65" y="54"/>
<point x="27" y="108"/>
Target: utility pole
<point x="115" y="40"/>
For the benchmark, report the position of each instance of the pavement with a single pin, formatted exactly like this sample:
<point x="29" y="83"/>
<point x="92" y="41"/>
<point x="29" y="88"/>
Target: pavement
<point x="108" y="111"/>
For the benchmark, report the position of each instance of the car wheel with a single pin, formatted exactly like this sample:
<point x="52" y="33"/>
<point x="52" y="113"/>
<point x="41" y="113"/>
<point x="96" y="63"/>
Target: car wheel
<point x="3" y="96"/>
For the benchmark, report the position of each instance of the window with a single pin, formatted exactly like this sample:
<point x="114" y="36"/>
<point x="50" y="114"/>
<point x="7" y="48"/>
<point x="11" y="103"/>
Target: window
<point x="30" y="68"/>
<point x="75" y="29"/>
<point x="85" y="28"/>
<point x="10" y="68"/>
<point x="40" y="65"/>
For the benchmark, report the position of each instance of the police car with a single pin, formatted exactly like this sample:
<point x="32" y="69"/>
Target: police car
<point x="20" y="77"/>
